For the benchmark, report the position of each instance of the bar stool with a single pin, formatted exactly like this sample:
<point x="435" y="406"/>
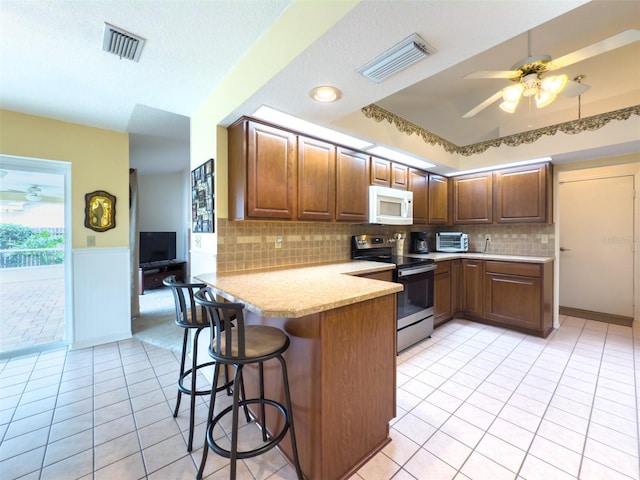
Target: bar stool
<point x="240" y="346"/>
<point x="190" y="317"/>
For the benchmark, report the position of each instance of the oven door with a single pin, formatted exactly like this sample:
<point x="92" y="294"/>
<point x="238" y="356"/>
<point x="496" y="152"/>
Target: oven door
<point x="415" y="304"/>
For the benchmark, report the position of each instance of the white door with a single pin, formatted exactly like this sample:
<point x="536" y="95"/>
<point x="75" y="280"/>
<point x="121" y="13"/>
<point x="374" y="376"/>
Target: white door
<point x="596" y="245"/>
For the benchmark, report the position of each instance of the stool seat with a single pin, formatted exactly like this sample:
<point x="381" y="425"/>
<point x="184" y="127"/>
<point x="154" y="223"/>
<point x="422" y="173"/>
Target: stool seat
<point x="260" y="341"/>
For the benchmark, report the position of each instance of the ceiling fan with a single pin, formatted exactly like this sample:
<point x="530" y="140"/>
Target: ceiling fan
<point x="529" y="81"/>
<point x="31" y="194"/>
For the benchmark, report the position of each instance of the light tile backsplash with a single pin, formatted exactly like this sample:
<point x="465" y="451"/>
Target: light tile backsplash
<point x="250" y="245"/>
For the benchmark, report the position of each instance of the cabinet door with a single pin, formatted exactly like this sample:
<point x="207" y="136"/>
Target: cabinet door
<point x="472" y="287"/>
<point x="418" y="184"/>
<point x="380" y="172"/>
<point x="399" y="176"/>
<point x="456" y="286"/>
<point x="271" y="172"/>
<point x="442" y="294"/>
<point x="438" y="200"/>
<point x="473" y="199"/>
<point x="316" y="180"/>
<point x="521" y="195"/>
<point x="352" y="186"/>
<point x="513" y="300"/>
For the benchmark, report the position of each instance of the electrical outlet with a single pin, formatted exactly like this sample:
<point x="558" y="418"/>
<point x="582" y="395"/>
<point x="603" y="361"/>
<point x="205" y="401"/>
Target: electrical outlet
<point x="487" y="238"/>
<point x="278" y="242"/>
<point x="544" y="238"/>
<point x="91" y="240"/>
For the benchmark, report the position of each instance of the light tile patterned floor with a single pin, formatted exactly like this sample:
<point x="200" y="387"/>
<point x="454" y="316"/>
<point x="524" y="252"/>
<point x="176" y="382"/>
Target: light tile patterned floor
<point x="474" y="402"/>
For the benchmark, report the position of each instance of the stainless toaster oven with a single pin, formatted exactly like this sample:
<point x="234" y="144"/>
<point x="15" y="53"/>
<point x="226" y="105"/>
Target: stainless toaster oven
<point x="452" y="242"/>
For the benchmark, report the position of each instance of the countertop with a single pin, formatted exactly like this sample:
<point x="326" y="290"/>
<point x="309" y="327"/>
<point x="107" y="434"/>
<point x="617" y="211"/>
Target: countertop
<point x="299" y="291"/>
<point x="439" y="256"/>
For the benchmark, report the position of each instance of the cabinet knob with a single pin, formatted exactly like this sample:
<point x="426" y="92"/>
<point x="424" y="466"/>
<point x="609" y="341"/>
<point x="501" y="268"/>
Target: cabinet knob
<point x="562" y="249"/>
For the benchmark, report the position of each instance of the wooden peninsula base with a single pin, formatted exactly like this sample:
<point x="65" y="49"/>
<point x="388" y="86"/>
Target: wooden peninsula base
<point x="342" y="375"/>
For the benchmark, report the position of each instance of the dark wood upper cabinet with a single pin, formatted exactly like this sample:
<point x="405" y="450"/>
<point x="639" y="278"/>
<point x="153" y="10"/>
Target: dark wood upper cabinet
<point x="316" y="180"/>
<point x="473" y="199"/>
<point x="523" y="194"/>
<point x="262" y="172"/>
<point x="380" y="172"/>
<point x="352" y="186"/>
<point x="399" y="176"/>
<point x="438" y="200"/>
<point x="418" y="184"/>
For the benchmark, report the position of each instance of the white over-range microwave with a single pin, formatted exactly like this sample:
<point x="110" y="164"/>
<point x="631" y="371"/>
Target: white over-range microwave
<point x="388" y="206"/>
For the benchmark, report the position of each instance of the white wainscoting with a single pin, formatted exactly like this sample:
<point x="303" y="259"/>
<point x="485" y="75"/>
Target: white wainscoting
<point x="101" y="296"/>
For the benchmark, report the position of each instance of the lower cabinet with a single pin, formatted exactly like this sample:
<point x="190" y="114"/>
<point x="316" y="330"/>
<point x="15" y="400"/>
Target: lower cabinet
<point x="442" y="305"/>
<point x="472" y="287"/>
<point x="519" y="295"/>
<point x="515" y="295"/>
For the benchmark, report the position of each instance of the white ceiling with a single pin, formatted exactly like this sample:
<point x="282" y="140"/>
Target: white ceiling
<point x="53" y="66"/>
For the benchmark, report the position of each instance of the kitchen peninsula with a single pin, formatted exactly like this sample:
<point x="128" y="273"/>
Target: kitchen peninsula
<point x="341" y="360"/>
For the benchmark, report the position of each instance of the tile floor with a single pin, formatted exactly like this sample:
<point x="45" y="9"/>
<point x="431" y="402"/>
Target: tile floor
<point x="33" y="319"/>
<point x="474" y="402"/>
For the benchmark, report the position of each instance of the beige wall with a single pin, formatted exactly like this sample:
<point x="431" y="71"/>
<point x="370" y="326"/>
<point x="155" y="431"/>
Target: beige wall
<point x="99" y="161"/>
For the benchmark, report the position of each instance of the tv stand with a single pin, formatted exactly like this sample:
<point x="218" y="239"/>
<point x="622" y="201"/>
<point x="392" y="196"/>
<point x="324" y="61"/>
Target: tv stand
<point x="151" y="275"/>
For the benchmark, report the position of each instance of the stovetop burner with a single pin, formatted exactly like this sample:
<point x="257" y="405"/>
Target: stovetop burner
<point x="379" y="248"/>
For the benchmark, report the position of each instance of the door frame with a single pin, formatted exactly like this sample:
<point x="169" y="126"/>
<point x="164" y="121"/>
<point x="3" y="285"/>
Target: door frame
<point x="590" y="171"/>
<point x="56" y="167"/>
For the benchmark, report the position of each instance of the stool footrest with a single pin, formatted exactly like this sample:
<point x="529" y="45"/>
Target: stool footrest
<point x="274" y="441"/>
<point x="187" y="390"/>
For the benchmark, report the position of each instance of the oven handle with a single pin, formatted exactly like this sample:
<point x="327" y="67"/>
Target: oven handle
<point x="406" y="272"/>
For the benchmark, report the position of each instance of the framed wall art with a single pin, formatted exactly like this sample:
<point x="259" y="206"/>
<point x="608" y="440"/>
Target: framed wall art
<point x="99" y="211"/>
<point x="202" y="196"/>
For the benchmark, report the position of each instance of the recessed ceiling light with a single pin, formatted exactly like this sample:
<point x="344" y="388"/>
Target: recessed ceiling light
<point x="325" y="94"/>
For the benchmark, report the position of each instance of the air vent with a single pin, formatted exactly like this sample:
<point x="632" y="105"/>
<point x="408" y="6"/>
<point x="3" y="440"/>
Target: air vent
<point x="397" y="58"/>
<point x="122" y="43"/>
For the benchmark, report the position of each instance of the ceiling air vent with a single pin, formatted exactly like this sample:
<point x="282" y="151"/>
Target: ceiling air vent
<point x="122" y="43"/>
<point x="397" y="58"/>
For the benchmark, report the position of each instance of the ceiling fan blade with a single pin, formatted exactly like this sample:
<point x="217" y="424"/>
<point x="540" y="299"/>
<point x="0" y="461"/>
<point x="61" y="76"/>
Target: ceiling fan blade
<point x="494" y="74"/>
<point x="483" y="105"/>
<point x="616" y="41"/>
<point x="573" y="89"/>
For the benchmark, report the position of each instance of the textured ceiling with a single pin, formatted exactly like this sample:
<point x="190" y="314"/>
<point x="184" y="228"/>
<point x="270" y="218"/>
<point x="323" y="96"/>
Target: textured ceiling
<point x="52" y="64"/>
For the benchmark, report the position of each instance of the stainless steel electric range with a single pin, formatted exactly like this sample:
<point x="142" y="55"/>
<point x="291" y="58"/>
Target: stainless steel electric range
<point x="415" y="302"/>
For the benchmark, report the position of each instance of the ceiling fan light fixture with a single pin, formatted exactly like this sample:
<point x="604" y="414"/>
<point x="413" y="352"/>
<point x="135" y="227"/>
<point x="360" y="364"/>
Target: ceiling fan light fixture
<point x="509" y="107"/>
<point x="554" y="84"/>
<point x="544" y="98"/>
<point x="531" y="83"/>
<point x="512" y="93"/>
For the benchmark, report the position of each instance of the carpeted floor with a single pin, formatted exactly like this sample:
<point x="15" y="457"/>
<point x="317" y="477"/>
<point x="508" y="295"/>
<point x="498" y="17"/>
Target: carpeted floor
<point x="156" y="323"/>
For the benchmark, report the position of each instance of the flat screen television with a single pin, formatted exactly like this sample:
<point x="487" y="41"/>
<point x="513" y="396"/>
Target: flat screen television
<point x="157" y="246"/>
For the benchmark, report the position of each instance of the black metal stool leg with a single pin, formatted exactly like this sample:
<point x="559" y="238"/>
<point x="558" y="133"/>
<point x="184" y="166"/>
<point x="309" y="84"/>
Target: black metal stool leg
<point x="209" y="429"/>
<point x="263" y="415"/>
<point x="244" y="396"/>
<point x="182" y="362"/>
<point x="194" y="378"/>
<point x="292" y="431"/>
<point x="234" y="425"/>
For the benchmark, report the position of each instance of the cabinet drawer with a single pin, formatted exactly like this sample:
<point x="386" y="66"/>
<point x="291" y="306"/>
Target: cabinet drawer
<point x="443" y="267"/>
<point x="513" y="268"/>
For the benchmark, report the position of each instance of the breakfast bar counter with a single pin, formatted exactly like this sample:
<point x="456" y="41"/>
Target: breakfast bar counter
<point x="341" y="360"/>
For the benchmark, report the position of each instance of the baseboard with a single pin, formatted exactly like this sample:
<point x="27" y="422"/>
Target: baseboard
<point x="92" y="342"/>
<point x="598" y="316"/>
